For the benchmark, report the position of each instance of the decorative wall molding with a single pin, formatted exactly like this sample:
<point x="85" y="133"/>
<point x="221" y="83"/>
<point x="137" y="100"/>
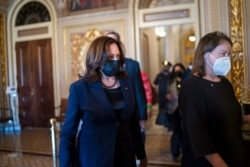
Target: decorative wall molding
<point x="176" y="14"/>
<point x="33" y="31"/>
<point x="77" y="39"/>
<point x="167" y="15"/>
<point x="237" y="53"/>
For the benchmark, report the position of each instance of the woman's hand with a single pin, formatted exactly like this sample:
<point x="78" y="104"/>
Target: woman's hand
<point x="143" y="162"/>
<point x="246" y="119"/>
<point x="215" y="160"/>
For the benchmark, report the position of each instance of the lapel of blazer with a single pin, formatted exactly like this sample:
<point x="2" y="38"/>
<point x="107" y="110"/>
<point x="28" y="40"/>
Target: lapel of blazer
<point x="101" y="98"/>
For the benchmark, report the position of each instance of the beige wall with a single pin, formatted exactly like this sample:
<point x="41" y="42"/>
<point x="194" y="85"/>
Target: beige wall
<point x="214" y="16"/>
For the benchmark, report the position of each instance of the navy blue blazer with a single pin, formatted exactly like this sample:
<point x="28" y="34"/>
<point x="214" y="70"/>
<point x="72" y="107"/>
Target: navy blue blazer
<point x="132" y="67"/>
<point x="100" y="127"/>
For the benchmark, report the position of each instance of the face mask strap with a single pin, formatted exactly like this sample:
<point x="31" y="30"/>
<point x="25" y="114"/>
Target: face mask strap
<point x="211" y="55"/>
<point x="209" y="64"/>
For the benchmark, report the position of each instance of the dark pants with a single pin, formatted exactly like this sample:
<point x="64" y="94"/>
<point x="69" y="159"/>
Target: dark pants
<point x="143" y="136"/>
<point x="162" y="118"/>
<point x="177" y="136"/>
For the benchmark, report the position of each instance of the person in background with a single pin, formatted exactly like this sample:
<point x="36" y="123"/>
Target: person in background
<point x="212" y="116"/>
<point x="148" y="90"/>
<point x="132" y="68"/>
<point x="175" y="82"/>
<point x="104" y="101"/>
<point x="161" y="81"/>
<point x="187" y="71"/>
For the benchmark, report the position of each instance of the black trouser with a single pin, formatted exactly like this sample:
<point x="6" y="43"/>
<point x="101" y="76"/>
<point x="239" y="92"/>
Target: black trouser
<point x="143" y="136"/>
<point x="177" y="136"/>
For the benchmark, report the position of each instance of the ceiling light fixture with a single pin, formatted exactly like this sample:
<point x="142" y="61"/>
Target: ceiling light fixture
<point x="160" y="31"/>
<point x="192" y="38"/>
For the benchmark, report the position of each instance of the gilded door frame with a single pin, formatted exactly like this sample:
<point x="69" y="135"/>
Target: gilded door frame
<point x="3" y="59"/>
<point x="238" y="53"/>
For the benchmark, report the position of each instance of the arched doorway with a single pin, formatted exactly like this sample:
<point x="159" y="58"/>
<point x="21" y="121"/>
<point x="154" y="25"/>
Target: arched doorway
<point x="177" y="19"/>
<point x="32" y="61"/>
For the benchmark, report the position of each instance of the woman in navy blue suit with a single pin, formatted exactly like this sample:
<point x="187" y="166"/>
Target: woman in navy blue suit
<point x="103" y="99"/>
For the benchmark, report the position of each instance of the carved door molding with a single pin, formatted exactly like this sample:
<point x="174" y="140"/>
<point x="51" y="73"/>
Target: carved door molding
<point x="3" y="63"/>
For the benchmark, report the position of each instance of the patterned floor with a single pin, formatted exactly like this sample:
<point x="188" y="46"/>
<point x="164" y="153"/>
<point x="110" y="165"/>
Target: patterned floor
<point x="30" y="140"/>
<point x="14" y="159"/>
<point x="157" y="146"/>
<point x="32" y="147"/>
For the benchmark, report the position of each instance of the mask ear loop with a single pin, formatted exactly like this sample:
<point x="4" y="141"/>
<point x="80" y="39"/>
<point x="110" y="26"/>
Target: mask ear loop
<point x="211" y="55"/>
<point x="209" y="64"/>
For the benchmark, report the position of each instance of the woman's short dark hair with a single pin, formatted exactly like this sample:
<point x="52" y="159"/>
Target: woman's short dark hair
<point x="98" y="54"/>
<point x="172" y="74"/>
<point x="207" y="44"/>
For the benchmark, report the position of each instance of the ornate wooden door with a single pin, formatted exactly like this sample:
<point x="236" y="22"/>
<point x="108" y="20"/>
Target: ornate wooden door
<point x="35" y="82"/>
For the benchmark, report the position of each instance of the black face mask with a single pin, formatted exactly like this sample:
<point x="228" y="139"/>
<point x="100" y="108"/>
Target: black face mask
<point x="111" y="67"/>
<point x="178" y="74"/>
<point x="166" y="70"/>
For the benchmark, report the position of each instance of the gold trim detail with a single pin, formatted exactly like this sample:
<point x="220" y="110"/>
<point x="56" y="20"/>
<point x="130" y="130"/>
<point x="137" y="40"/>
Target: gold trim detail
<point x="3" y="67"/>
<point x="77" y="40"/>
<point x="80" y="43"/>
<point x="237" y="55"/>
